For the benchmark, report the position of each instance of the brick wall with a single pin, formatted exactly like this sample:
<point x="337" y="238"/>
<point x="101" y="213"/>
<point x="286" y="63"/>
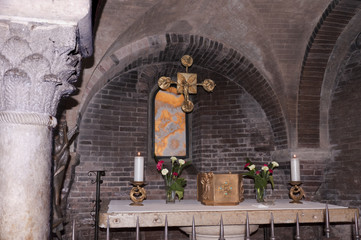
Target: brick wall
<point x="112" y="131"/>
<point x="208" y="54"/>
<point x="227" y="125"/>
<point x="342" y="177"/>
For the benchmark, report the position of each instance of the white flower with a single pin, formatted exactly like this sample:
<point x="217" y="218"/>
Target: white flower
<point x="265" y="168"/>
<point x="173" y="159"/>
<point x="275" y="164"/>
<point x="181" y="162"/>
<point x="252" y="167"/>
<point x="164" y="171"/>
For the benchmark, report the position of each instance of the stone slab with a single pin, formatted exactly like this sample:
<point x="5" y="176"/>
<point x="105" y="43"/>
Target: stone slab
<point x="152" y="214"/>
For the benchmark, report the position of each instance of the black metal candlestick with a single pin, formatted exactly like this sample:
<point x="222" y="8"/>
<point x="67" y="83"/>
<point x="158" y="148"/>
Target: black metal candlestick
<point x="98" y="181"/>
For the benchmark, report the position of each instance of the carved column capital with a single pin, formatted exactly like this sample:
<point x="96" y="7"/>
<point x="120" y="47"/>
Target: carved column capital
<point x="38" y="64"/>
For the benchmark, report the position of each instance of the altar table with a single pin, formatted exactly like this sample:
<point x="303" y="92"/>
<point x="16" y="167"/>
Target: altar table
<point x="153" y="213"/>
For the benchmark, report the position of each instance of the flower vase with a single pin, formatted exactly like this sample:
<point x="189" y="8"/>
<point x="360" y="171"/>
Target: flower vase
<point x="170" y="195"/>
<point x="260" y="194"/>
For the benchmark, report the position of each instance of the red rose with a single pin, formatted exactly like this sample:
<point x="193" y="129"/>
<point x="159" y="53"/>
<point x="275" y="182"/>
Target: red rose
<point x="265" y="165"/>
<point x="247" y="164"/>
<point x="159" y="165"/>
<point x="270" y="171"/>
<point x="257" y="172"/>
<point x="175" y="174"/>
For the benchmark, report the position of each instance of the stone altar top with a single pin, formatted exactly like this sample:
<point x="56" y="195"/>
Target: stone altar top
<point x="152" y="214"/>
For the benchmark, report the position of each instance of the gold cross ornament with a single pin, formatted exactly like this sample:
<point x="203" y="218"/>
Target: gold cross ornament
<point x="186" y="84"/>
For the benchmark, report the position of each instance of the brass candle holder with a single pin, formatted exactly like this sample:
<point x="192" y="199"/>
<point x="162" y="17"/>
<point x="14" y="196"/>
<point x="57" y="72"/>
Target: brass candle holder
<point x="137" y="193"/>
<point x="296" y="192"/>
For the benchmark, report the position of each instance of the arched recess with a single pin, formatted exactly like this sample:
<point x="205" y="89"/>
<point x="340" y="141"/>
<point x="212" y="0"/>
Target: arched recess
<point x="207" y="54"/>
<point x="341" y="174"/>
<point x="114" y="126"/>
<point x="345" y="45"/>
<point x="228" y="125"/>
<point x="312" y="123"/>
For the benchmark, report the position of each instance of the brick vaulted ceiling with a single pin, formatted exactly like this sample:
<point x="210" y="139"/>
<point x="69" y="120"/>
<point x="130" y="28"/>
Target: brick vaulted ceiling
<point x="208" y="55"/>
<point x="319" y="49"/>
<point x="277" y="51"/>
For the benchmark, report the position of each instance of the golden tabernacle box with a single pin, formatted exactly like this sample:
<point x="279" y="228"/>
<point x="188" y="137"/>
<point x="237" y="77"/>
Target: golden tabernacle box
<point x="219" y="189"/>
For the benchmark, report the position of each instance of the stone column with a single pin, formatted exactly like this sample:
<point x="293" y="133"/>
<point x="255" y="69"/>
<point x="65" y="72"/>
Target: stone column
<point x="37" y="67"/>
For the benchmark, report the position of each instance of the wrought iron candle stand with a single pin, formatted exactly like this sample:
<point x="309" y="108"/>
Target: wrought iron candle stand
<point x="138" y="193"/>
<point x="98" y="181"/>
<point x="296" y="192"/>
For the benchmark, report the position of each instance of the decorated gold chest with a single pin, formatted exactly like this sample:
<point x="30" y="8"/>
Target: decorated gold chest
<point x="219" y="189"/>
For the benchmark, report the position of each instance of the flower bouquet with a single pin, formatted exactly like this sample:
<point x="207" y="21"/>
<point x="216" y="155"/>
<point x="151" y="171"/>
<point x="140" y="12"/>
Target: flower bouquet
<point x="174" y="184"/>
<point x="261" y="177"/>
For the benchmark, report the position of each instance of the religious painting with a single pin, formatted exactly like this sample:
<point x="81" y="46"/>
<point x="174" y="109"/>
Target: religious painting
<point x="170" y="124"/>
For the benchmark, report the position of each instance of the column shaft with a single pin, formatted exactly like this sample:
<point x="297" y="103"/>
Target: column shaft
<point x="25" y="181"/>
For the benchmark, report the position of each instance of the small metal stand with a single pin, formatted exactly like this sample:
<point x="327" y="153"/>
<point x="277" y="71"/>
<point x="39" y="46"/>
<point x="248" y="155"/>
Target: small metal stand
<point x="296" y="192"/>
<point x="297" y="237"/>
<point x="327" y="230"/>
<point x="272" y="237"/>
<point x="221" y="230"/>
<point x="248" y="234"/>
<point x="138" y="193"/>
<point x="357" y="234"/>
<point x="98" y="181"/>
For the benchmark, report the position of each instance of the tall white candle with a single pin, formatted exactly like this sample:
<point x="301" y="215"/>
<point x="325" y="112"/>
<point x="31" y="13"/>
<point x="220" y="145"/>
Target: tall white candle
<point x="295" y="169"/>
<point x="138" y="168"/>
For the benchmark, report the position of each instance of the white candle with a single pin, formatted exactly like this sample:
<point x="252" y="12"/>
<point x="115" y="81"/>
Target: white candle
<point x="295" y="169"/>
<point x="138" y="168"/>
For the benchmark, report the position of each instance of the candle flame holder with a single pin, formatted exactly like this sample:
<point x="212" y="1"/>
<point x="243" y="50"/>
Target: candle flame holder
<point x="296" y="192"/>
<point x="137" y="193"/>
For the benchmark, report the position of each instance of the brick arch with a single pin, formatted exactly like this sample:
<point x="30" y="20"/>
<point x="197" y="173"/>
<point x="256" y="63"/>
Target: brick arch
<point x="207" y="54"/>
<point x="316" y="59"/>
<point x="344" y="130"/>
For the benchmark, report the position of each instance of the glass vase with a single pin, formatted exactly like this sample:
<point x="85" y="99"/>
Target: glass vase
<point x="170" y="195"/>
<point x="260" y="194"/>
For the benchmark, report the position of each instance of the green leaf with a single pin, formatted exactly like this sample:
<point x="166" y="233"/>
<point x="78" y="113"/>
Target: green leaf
<point x="260" y="182"/>
<point x="175" y="168"/>
<point x="178" y="187"/>
<point x="272" y="183"/>
<point x="249" y="174"/>
<point x="180" y="194"/>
